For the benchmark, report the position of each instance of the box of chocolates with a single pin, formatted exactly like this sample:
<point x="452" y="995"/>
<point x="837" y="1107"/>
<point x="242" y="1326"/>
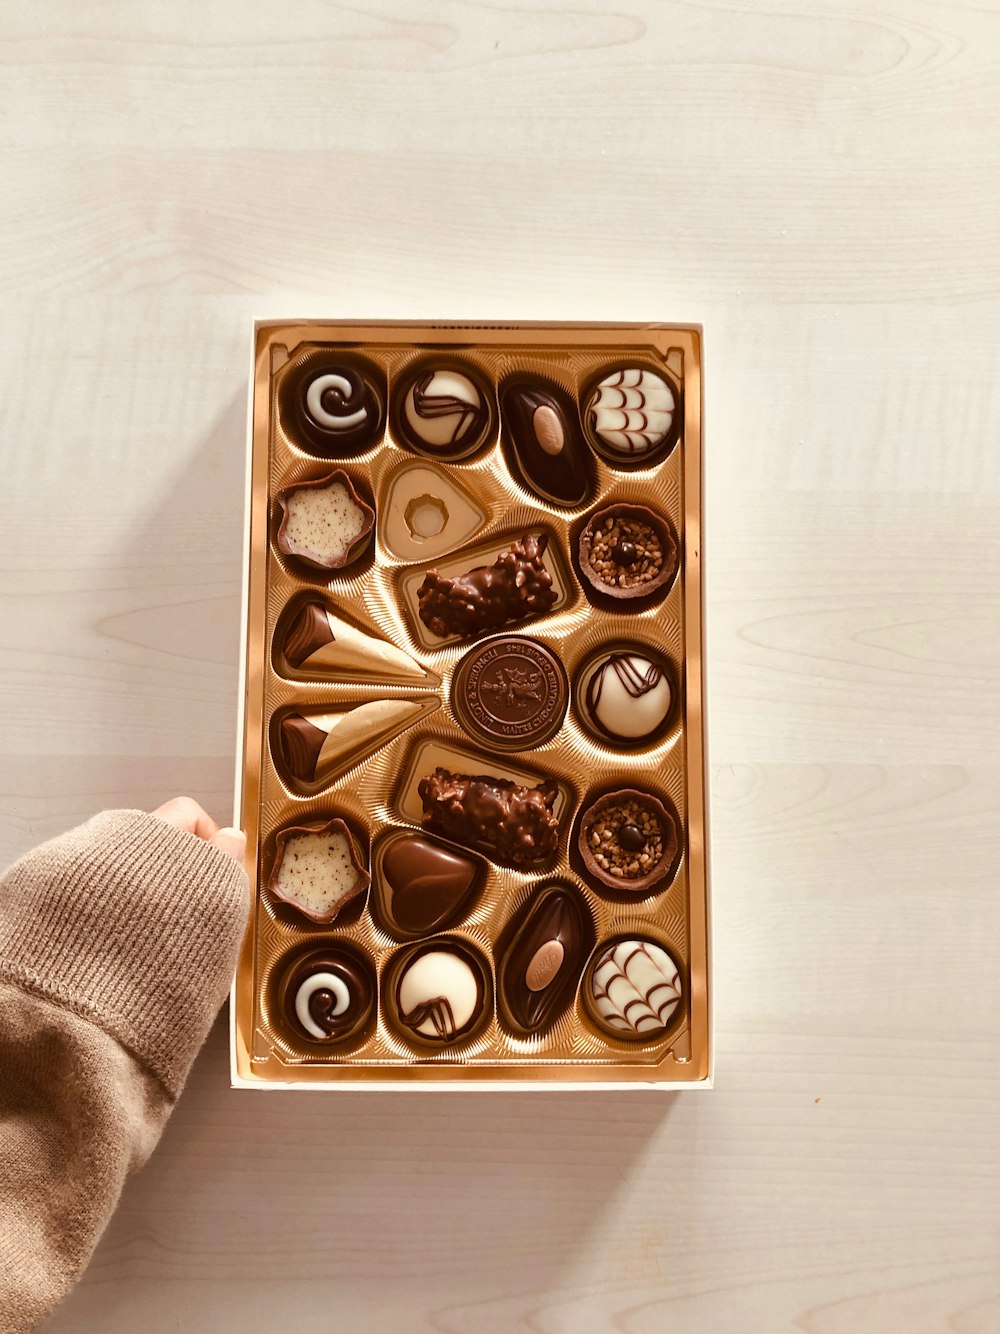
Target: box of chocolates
<point x="472" y="766"/>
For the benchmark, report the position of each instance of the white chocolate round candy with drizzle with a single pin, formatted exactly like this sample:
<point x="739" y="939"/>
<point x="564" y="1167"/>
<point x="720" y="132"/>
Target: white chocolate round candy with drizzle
<point x="630" y="413"/>
<point x="439" y="994"/>
<point x="625" y="696"/>
<point x="444" y="412"/>
<point x="635" y="987"/>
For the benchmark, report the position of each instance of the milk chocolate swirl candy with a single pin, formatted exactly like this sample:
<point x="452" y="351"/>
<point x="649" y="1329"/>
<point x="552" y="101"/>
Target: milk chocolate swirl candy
<point x="540" y="967"/>
<point x="633" y="416"/>
<point x="625" y="696"/>
<point x="513" y="824"/>
<point x="441" y="992"/>
<point x="443" y="411"/>
<point x="429" y="885"/>
<point x="318" y="869"/>
<point x="337" y="405"/>
<point x="542" y="443"/>
<point x="318" y="642"/>
<point x="328" y="995"/>
<point x="634" y="989"/>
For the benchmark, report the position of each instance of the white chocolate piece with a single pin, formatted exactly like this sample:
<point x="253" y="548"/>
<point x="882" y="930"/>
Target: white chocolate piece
<point x="322" y="523"/>
<point x="632" y="411"/>
<point x="317" y="870"/>
<point x="446" y="986"/>
<point x="636" y="988"/>
<point x="320" y="982"/>
<point x="626" y="695"/>
<point x="354" y="651"/>
<point x="314" y="402"/>
<point x="436" y="427"/>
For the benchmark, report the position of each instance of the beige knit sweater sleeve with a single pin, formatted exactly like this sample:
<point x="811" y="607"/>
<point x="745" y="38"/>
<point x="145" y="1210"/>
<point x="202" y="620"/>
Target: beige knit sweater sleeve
<point x="117" y="945"/>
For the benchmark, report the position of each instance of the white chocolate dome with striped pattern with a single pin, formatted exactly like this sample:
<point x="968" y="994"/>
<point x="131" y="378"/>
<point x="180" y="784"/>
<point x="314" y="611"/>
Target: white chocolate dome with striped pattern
<point x="631" y="412"/>
<point x="635" y="987"/>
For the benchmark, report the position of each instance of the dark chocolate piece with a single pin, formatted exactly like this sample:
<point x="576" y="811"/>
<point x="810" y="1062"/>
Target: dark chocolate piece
<point x="610" y="833"/>
<point x="317" y="869"/>
<point x="628" y="552"/>
<point x="541" y="965"/>
<point x="324" y="523"/>
<point x="625" y="695"/>
<point x="443" y="411"/>
<point x="517" y="585"/>
<point x="328" y="995"/>
<point x="429" y="885"/>
<point x="514" y="824"/>
<point x="308" y="632"/>
<point x="543" y="445"/>
<point x="440" y="992"/>
<point x="511" y="692"/>
<point x="337" y="407"/>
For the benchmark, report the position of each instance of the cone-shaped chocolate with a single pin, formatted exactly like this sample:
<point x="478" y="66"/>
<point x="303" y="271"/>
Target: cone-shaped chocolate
<point x="320" y="643"/>
<point x="318" y="747"/>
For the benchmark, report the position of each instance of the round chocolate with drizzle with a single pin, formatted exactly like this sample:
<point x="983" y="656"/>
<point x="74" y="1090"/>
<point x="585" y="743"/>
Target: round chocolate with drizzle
<point x="441" y="991"/>
<point x="634" y="989"/>
<point x="542" y="442"/>
<point x="328" y="995"/>
<point x="443" y="411"/>
<point x="337" y="406"/>
<point x="624" y="696"/>
<point x="633" y="416"/>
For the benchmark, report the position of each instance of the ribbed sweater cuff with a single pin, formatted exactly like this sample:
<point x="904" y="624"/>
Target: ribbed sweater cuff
<point x="133" y="924"/>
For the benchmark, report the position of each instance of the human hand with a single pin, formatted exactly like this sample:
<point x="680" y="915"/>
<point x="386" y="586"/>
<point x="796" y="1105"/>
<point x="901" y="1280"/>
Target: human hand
<point x="186" y="814"/>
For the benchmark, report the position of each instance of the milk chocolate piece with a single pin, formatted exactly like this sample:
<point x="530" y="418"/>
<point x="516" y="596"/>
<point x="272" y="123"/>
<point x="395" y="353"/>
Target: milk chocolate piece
<point x="511" y="692"/>
<point x="541" y="965"/>
<point x="634" y="989"/>
<point x="317" y="747"/>
<point x="317" y="869"/>
<point x="517" y="585"/>
<point x="443" y="410"/>
<point x="513" y="824"/>
<point x="317" y="641"/>
<point x="624" y="696"/>
<point x="335" y="408"/>
<point x="633" y="416"/>
<point x="543" y="445"/>
<point x="327" y="995"/>
<point x="429" y="885"/>
<point x="629" y="841"/>
<point x="628" y="553"/>
<point x="440" y="992"/>
<point x="324" y="523"/>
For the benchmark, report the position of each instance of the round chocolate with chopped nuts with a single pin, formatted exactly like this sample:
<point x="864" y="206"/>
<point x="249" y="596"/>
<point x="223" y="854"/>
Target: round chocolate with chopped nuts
<point x="629" y="841"/>
<point x="629" y="552"/>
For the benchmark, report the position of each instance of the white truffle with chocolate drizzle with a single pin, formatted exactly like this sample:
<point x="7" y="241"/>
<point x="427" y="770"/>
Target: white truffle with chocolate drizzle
<point x="631" y="414"/>
<point x="439" y="994"/>
<point x="444" y="411"/>
<point x="625" y="696"/>
<point x="635" y="987"/>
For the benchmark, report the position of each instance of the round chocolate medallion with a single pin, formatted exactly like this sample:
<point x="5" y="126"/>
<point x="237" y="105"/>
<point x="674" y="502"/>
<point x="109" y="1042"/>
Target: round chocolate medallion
<point x="511" y="692"/>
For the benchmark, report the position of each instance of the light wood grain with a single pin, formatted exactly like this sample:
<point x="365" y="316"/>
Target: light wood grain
<point x="818" y="183"/>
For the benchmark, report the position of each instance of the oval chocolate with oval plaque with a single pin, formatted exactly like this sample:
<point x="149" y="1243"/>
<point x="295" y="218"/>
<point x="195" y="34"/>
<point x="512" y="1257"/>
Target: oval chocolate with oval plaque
<point x="543" y="443"/>
<point x="542" y="958"/>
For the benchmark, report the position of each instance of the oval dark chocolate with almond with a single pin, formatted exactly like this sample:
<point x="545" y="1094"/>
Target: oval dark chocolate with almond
<point x="543" y="958"/>
<point x="543" y="443"/>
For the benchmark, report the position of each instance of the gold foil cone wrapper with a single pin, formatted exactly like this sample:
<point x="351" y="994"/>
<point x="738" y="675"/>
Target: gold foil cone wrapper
<point x="377" y="794"/>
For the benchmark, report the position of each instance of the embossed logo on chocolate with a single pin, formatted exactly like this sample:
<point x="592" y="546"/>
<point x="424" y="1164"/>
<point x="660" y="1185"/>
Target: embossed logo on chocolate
<point x="511" y="691"/>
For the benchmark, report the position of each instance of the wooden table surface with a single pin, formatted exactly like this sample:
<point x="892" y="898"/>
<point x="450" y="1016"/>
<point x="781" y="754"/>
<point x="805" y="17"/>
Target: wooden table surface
<point x="819" y="184"/>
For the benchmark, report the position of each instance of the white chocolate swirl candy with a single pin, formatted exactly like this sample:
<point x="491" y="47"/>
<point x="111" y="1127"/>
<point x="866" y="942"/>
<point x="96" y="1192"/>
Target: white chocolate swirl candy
<point x="635" y="987"/>
<point x="631" y="412"/>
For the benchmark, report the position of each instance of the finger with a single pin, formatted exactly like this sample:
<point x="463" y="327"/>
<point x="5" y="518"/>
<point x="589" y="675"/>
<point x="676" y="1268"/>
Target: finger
<point x="231" y="841"/>
<point x="185" y="813"/>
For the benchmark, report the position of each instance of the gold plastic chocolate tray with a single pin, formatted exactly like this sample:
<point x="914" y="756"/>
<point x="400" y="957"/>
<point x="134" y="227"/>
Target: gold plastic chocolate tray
<point x="490" y="506"/>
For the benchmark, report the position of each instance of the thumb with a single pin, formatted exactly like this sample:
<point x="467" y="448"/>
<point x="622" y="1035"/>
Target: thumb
<point x="231" y="841"/>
